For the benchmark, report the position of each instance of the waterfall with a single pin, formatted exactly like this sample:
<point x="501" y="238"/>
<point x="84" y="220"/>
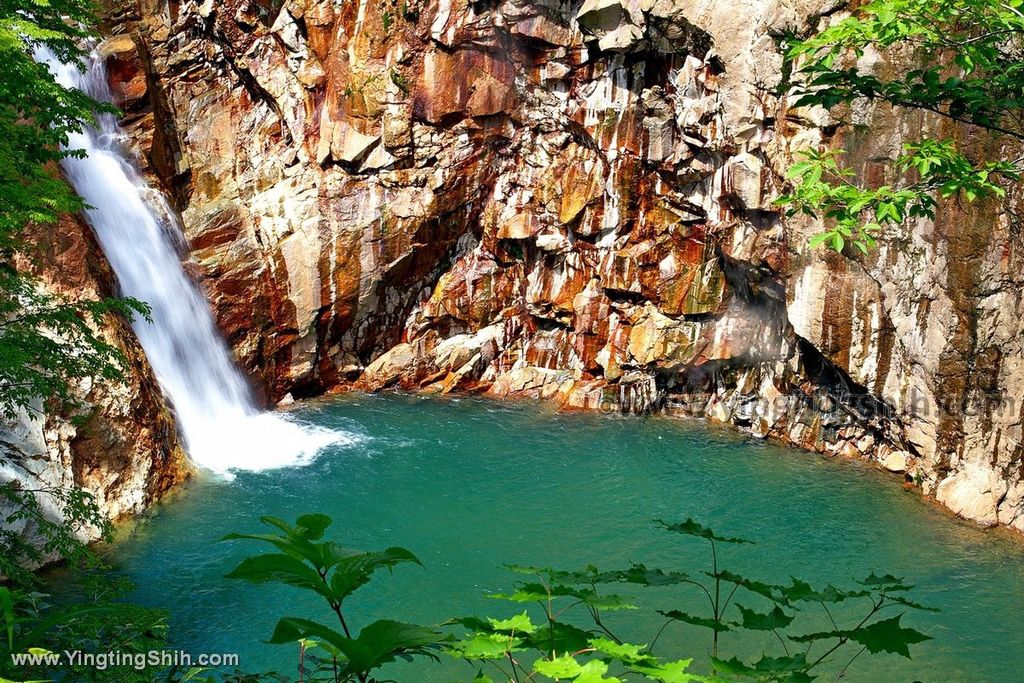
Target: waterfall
<point x="223" y="428"/>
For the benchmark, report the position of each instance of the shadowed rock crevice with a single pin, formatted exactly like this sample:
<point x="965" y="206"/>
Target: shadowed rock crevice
<point x="575" y="202"/>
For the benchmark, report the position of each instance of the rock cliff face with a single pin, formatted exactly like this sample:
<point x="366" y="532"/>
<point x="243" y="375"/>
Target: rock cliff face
<point x="122" y="445"/>
<point x="571" y="201"/>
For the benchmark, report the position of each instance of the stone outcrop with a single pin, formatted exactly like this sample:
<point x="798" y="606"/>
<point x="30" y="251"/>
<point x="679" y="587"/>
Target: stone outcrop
<point x="121" y="444"/>
<point x="573" y="201"/>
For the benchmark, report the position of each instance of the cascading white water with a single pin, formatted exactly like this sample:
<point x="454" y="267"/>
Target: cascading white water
<point x="222" y="426"/>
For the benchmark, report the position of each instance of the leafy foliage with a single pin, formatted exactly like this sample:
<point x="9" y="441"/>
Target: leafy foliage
<point x="974" y="72"/>
<point x="36" y="113"/>
<point x="101" y="621"/>
<point x="972" y="57"/>
<point x="47" y="342"/>
<point x="563" y="626"/>
<point x="334" y="573"/>
<point x="58" y="539"/>
<point x="554" y="647"/>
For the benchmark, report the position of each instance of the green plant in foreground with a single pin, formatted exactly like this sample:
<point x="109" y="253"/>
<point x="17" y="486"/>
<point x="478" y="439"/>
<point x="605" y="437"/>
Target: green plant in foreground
<point x="970" y="57"/>
<point x="31" y="623"/>
<point x="49" y="538"/>
<point x="334" y="573"/>
<point x="855" y="621"/>
<point x="567" y="632"/>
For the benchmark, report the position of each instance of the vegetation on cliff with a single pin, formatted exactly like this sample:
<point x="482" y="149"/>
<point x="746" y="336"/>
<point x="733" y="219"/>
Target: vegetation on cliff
<point x="970" y="71"/>
<point x="47" y="342"/>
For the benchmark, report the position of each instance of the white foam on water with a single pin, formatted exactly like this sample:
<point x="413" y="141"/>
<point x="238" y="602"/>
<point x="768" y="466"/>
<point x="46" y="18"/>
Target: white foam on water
<point x="223" y="428"/>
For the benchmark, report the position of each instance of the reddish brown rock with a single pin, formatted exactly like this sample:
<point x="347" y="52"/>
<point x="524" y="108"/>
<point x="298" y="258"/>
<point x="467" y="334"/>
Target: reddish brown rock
<point x="121" y="445"/>
<point x="573" y="205"/>
<point x="467" y="82"/>
<point x="126" y="69"/>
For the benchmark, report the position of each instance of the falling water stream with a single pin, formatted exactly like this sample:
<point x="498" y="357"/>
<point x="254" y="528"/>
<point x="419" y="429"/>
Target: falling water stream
<point x="224" y="430"/>
<point x="471" y="486"/>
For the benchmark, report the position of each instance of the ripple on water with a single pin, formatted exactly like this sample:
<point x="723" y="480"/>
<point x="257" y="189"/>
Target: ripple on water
<point x="470" y="485"/>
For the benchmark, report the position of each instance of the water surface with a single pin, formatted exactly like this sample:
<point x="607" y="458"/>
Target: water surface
<point x="472" y="485"/>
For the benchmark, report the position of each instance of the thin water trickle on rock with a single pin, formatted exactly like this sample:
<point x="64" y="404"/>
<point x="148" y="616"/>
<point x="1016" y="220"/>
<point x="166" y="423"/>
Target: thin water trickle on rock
<point x="224" y="430"/>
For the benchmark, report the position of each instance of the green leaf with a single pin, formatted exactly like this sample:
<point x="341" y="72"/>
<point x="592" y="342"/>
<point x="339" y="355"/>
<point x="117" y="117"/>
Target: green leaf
<point x="640" y="574"/>
<point x="43" y="627"/>
<point x="485" y="646"/>
<point x="295" y="547"/>
<point x="801" y="591"/>
<point x="692" y="528"/>
<point x="312" y="527"/>
<point x="295" y="629"/>
<point x="695" y="620"/>
<point x="193" y="675"/>
<point x="623" y="652"/>
<point x="755" y="621"/>
<point x="911" y="604"/>
<point x="887" y="582"/>
<point x="772" y="592"/>
<point x="566" y="667"/>
<point x="892" y="211"/>
<point x="837" y="242"/>
<point x="354" y="569"/>
<point x="669" y="672"/>
<point x="608" y="603"/>
<point x="559" y="636"/>
<point x="888" y="635"/>
<point x="279" y="523"/>
<point x="7" y="611"/>
<point x="535" y="592"/>
<point x="314" y="643"/>
<point x="526" y="593"/>
<point x="519" y="623"/>
<point x="818" y="239"/>
<point x="379" y="643"/>
<point x="526" y="569"/>
<point x="472" y="623"/>
<point x="770" y="667"/>
<point x="294" y="541"/>
<point x="594" y="672"/>
<point x="279" y="568"/>
<point x="382" y="641"/>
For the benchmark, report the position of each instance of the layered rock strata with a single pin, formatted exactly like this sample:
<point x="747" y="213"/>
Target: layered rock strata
<point x="572" y="201"/>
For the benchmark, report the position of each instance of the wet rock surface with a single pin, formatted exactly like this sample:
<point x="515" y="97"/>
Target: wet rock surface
<point x="121" y="444"/>
<point x="571" y="201"/>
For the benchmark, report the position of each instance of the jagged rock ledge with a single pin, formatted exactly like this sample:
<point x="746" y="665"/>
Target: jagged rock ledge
<point x="573" y="201"/>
